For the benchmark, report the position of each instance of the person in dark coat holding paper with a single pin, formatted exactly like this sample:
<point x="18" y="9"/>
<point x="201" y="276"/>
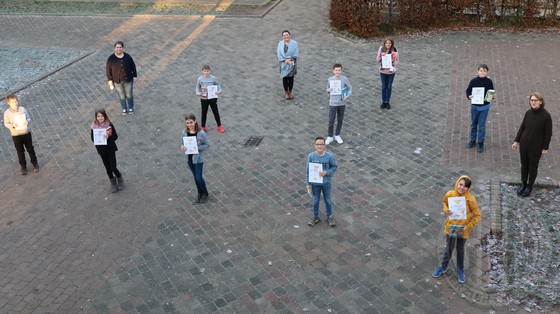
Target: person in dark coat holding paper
<point x="533" y="139"/>
<point x="107" y="151"/>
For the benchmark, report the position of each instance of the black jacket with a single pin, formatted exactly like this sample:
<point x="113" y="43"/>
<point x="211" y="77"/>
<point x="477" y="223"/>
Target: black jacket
<point x="111" y="145"/>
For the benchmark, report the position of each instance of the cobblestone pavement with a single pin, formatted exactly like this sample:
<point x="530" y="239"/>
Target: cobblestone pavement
<point x="67" y="244"/>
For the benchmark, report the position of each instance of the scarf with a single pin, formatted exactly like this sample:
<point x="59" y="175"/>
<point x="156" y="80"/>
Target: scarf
<point x="292" y="53"/>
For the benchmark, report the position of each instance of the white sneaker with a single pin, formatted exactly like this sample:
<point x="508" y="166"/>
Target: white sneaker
<point x="338" y="139"/>
<point x="329" y="140"/>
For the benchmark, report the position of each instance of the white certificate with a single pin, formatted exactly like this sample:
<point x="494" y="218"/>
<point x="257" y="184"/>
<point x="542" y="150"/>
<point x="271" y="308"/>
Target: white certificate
<point x="190" y="144"/>
<point x="386" y="61"/>
<point x="457" y="207"/>
<point x="99" y="136"/>
<point x="20" y="120"/>
<point x="314" y="170"/>
<point x="212" y="91"/>
<point x="336" y="86"/>
<point x="477" y="96"/>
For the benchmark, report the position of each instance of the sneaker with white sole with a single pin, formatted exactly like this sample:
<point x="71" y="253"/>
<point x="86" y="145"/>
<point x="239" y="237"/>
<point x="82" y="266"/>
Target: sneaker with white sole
<point x="439" y="271"/>
<point x="461" y="276"/>
<point x="124" y="112"/>
<point x="331" y="221"/>
<point x="130" y="111"/>
<point x="329" y="140"/>
<point x="338" y="139"/>
<point x="314" y="220"/>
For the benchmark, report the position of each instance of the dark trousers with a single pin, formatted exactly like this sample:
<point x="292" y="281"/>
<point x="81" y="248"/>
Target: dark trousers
<point x="110" y="163"/>
<point x="529" y="164"/>
<point x="25" y="143"/>
<point x="213" y="103"/>
<point x="288" y="82"/>
<point x="451" y="243"/>
<point x="196" y="170"/>
<point x="338" y="112"/>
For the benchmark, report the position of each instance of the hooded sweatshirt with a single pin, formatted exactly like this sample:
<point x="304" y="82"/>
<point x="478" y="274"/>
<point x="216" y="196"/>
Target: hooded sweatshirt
<point x="473" y="213"/>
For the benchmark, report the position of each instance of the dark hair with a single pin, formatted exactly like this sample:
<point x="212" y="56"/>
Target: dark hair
<point x="286" y="31"/>
<point x="483" y="66"/>
<point x="537" y="95"/>
<point x="191" y="116"/>
<point x="468" y="182"/>
<point x="392" y="45"/>
<point x="319" y="138"/>
<point x="118" y="42"/>
<point x="337" y="65"/>
<point x="11" y="96"/>
<point x="101" y="111"/>
<point x="205" y="67"/>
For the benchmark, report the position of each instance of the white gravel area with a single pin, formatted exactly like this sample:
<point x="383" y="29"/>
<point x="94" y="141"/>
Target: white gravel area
<point x="21" y="66"/>
<point x="526" y="258"/>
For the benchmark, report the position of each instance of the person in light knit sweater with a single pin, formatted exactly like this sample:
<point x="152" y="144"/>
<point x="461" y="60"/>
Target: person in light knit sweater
<point x="337" y="102"/>
<point x="17" y="120"/>
<point x="457" y="230"/>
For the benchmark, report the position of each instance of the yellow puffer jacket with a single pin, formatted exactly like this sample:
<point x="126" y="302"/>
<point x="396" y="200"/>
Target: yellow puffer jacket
<point x="473" y="213"/>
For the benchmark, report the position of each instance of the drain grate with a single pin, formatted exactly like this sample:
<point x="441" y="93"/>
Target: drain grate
<point x="254" y="140"/>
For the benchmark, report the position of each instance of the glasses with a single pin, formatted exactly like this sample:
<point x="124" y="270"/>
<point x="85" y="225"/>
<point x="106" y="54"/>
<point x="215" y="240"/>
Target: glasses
<point x="534" y="100"/>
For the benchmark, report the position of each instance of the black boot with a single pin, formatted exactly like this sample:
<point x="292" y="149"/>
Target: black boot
<point x="471" y="144"/>
<point x="480" y="147"/>
<point x="527" y="191"/>
<point x="198" y="197"/>
<point x="204" y="198"/>
<point x="120" y="183"/>
<point x="521" y="188"/>
<point x="113" y="185"/>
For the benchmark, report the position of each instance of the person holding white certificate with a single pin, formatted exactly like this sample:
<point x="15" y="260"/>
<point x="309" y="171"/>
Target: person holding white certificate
<point x="339" y="89"/>
<point x="320" y="168"/>
<point x="462" y="214"/>
<point x="477" y="93"/>
<point x="208" y="89"/>
<point x="16" y="119"/>
<point x="103" y="136"/>
<point x="388" y="59"/>
<point x="195" y="156"/>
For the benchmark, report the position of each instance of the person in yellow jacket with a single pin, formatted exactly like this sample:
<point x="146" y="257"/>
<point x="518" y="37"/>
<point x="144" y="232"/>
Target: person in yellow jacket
<point x="458" y="224"/>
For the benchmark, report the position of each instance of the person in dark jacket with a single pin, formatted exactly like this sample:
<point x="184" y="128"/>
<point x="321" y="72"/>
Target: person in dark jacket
<point x="104" y="135"/>
<point x="121" y="71"/>
<point x="533" y="139"/>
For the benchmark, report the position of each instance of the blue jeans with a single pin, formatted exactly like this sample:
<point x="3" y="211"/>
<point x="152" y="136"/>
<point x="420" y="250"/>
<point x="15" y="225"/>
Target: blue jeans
<point x="196" y="170"/>
<point x="316" y="189"/>
<point x="478" y="121"/>
<point x="386" y="85"/>
<point x="124" y="89"/>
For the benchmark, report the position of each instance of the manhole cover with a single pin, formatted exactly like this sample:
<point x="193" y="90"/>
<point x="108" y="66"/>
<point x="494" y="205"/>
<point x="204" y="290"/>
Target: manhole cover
<point x="254" y="141"/>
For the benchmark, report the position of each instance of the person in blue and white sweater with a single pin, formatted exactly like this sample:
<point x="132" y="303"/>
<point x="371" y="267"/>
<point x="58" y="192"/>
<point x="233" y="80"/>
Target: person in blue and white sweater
<point x="328" y="164"/>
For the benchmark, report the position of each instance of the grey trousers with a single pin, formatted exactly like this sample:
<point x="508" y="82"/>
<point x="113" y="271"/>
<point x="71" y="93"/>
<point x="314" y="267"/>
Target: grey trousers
<point x="451" y="243"/>
<point x="338" y="112"/>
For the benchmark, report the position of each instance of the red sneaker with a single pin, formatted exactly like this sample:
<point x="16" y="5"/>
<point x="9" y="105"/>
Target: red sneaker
<point x="204" y="129"/>
<point x="221" y="129"/>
